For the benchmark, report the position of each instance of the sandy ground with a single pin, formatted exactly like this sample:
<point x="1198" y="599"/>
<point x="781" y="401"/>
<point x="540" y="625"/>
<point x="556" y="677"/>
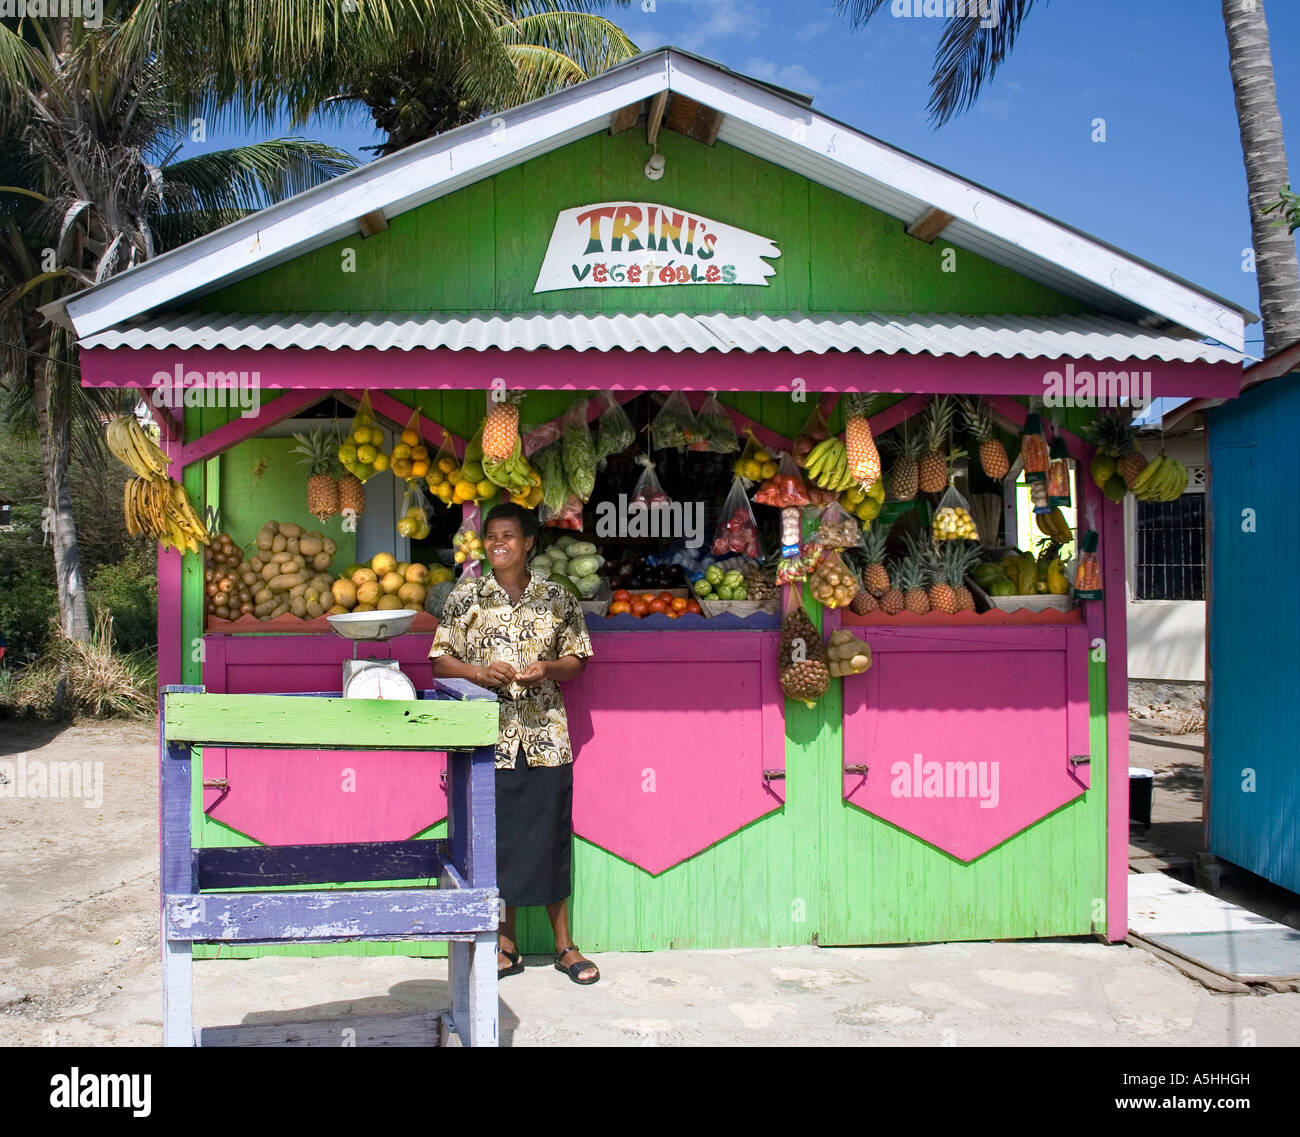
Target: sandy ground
<point x="79" y="954"/>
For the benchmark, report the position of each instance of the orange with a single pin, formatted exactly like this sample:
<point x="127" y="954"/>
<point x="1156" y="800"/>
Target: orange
<point x="411" y="438"/>
<point x="419" y="469"/>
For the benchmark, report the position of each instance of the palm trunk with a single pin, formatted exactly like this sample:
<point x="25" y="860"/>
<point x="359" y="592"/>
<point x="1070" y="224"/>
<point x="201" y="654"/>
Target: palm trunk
<point x="1262" y="147"/>
<point x="55" y="429"/>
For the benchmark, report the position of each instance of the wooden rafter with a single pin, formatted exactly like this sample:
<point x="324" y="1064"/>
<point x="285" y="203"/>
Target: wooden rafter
<point x="655" y="117"/>
<point x="372" y="222"/>
<point x="929" y="225"/>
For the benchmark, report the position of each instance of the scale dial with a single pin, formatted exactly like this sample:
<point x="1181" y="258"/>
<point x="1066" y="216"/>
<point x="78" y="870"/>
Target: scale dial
<point x="379" y="683"/>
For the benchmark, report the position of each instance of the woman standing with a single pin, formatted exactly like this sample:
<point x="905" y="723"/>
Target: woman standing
<point x="522" y="636"/>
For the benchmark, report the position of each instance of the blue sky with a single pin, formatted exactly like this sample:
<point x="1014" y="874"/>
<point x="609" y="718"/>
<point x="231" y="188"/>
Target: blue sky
<point x="1168" y="182"/>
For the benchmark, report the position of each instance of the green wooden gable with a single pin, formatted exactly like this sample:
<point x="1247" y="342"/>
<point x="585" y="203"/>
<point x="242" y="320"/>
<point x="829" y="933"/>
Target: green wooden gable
<point x="480" y="247"/>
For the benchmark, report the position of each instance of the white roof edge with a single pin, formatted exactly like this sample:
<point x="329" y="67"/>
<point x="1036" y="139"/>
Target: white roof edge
<point x="431" y="169"/>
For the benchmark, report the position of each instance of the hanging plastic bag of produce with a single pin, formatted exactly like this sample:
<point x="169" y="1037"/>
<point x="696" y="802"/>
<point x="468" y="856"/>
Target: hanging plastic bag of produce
<point x="786" y="488"/>
<point x="814" y="431"/>
<point x="438" y="479"/>
<point x="1033" y="450"/>
<point x="754" y="463"/>
<point x="737" y="531"/>
<point x="414" y="522"/>
<point x="469" y="481"/>
<point x="579" y="451"/>
<point x="545" y="451"/>
<point x="791" y="570"/>
<point x="1058" y="473"/>
<point x="848" y="654"/>
<point x="837" y="528"/>
<point x="674" y="427"/>
<point x="716" y="428"/>
<point x="952" y="520"/>
<point x="410" y="456"/>
<point x="362" y="453"/>
<point x="614" y="432"/>
<point x="468" y="545"/>
<point x="791" y="531"/>
<point x="647" y="490"/>
<point x="805" y="668"/>
<point x="1087" y="576"/>
<point x="568" y="516"/>
<point x="833" y="584"/>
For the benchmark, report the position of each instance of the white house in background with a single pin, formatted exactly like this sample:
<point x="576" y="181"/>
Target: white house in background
<point x="1166" y="572"/>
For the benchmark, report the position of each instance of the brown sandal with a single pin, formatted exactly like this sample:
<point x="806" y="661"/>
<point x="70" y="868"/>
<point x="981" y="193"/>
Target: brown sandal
<point x="576" y="969"/>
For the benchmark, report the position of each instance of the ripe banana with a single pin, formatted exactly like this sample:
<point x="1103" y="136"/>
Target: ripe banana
<point x="1147" y="477"/>
<point x="129" y="444"/>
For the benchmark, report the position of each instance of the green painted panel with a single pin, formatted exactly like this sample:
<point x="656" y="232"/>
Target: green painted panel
<point x="481" y="247"/>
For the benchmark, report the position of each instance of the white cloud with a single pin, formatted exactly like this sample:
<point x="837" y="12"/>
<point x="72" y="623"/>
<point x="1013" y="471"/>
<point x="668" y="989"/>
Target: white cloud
<point x="696" y="25"/>
<point x="794" y="75"/>
<point x="813" y="30"/>
<point x="998" y="106"/>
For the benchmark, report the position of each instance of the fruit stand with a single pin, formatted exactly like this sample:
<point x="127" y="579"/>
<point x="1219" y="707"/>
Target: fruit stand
<point x="854" y="581"/>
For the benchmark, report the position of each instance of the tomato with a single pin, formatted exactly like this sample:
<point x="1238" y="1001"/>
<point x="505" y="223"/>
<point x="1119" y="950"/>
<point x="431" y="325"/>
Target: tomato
<point x="657" y="605"/>
<point x="639" y="607"/>
<point x="619" y="607"/>
<point x="666" y="597"/>
<point x="622" y="596"/>
<point x="694" y="607"/>
<point x="671" y="614"/>
<point x="678" y="604"/>
<point x="647" y="596"/>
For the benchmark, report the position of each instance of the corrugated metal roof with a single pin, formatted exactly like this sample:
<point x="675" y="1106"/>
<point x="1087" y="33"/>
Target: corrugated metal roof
<point x="1086" y="337"/>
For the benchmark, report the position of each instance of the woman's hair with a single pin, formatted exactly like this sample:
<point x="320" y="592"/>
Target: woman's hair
<point x="508" y="511"/>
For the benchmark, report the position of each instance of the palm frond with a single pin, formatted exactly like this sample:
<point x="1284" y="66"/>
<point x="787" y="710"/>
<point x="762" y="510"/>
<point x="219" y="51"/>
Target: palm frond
<point x="969" y="55"/>
<point x="859" y="11"/>
<point x="250" y="177"/>
<point x="593" y="43"/>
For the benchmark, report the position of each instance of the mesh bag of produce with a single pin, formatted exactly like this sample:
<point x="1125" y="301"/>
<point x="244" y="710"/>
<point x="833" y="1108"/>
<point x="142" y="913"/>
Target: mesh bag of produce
<point x="647" y="490"/>
<point x="469" y="481"/>
<point x="754" y="464"/>
<point x="716" y="427"/>
<point x="805" y="668"/>
<point x="443" y="463"/>
<point x="414" y="522"/>
<point x="786" y="488"/>
<point x="814" y="431"/>
<point x="737" y="531"/>
<point x="468" y="545"/>
<point x="362" y="453"/>
<point x="848" y="654"/>
<point x="579" y="451"/>
<point x="674" y="427"/>
<point x="614" y="432"/>
<point x="410" y="456"/>
<point x="952" y="520"/>
<point x="837" y="528"/>
<point x="833" y="584"/>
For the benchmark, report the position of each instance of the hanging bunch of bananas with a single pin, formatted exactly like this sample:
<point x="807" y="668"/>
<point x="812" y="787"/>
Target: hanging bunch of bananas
<point x="160" y="508"/>
<point x="1055" y="526"/>
<point x="130" y="445"/>
<point x="828" y="465"/>
<point x="514" y="473"/>
<point x="1162" y="479"/>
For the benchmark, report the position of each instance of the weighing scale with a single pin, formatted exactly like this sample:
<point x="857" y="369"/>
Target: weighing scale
<point x="374" y="678"/>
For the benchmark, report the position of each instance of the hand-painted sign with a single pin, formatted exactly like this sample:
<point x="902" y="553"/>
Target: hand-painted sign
<point x="615" y="244"/>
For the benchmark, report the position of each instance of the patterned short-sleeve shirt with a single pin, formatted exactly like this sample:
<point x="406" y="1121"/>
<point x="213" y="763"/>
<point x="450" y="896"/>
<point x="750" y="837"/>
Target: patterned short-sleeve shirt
<point x="481" y="626"/>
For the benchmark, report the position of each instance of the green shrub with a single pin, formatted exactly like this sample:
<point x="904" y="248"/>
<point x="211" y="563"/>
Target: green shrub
<point x="28" y="602"/>
<point x="128" y="590"/>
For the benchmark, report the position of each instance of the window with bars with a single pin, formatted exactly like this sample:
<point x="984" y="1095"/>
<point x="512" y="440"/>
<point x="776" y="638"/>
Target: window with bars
<point x="1170" y="551"/>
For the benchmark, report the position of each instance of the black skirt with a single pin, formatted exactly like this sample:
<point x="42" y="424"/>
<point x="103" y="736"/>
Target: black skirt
<point x="534" y="833"/>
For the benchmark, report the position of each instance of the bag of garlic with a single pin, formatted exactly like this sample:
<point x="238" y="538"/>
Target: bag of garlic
<point x="805" y="667"/>
<point x="952" y="520"/>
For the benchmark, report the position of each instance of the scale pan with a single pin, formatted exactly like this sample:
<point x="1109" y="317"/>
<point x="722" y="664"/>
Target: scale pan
<point x="372" y="625"/>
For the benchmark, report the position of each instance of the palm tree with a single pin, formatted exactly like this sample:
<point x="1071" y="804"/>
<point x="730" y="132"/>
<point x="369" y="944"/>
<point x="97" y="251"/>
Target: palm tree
<point x="969" y="54"/>
<point x="90" y="187"/>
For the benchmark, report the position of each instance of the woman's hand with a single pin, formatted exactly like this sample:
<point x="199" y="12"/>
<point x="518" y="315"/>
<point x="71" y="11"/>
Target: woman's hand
<point x="495" y="674"/>
<point x="533" y="674"/>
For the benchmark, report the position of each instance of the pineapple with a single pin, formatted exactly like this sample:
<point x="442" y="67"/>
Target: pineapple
<point x="911" y="580"/>
<point x="932" y="469"/>
<point x="903" y="474"/>
<point x="1114" y="434"/>
<point x="863" y="457"/>
<point x="951" y="564"/>
<point x="322" y="489"/>
<point x="501" y="429"/>
<point x="892" y="603"/>
<point x="875" y="577"/>
<point x="863" y="603"/>
<point x="352" y="495"/>
<point x="993" y="455"/>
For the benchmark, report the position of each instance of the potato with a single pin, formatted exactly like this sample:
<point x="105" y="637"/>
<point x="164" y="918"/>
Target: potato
<point x="298" y="607"/>
<point x="283" y="558"/>
<point x="314" y="610"/>
<point x="268" y="571"/>
<point x="291" y="546"/>
<point x="321" y="560"/>
<point x="263" y="596"/>
<point x="278" y="544"/>
<point x="286" y="581"/>
<point x="289" y="529"/>
<point x="309" y="546"/>
<point x="265" y="539"/>
<point x="296" y="564"/>
<point x="299" y="590"/>
<point x="279" y="610"/>
<point x="263" y="611"/>
<point x="329" y="545"/>
<point x="250" y="578"/>
<point x="322" y="582"/>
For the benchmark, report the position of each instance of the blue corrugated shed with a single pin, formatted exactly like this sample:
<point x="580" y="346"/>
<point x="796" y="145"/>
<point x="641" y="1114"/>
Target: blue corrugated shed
<point x="1254" y="635"/>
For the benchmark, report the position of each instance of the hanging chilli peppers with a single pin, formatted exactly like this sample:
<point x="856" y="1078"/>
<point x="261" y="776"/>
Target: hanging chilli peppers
<point x="1033" y="450"/>
<point x="1058" y="473"/>
<point x="1087" y="577"/>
